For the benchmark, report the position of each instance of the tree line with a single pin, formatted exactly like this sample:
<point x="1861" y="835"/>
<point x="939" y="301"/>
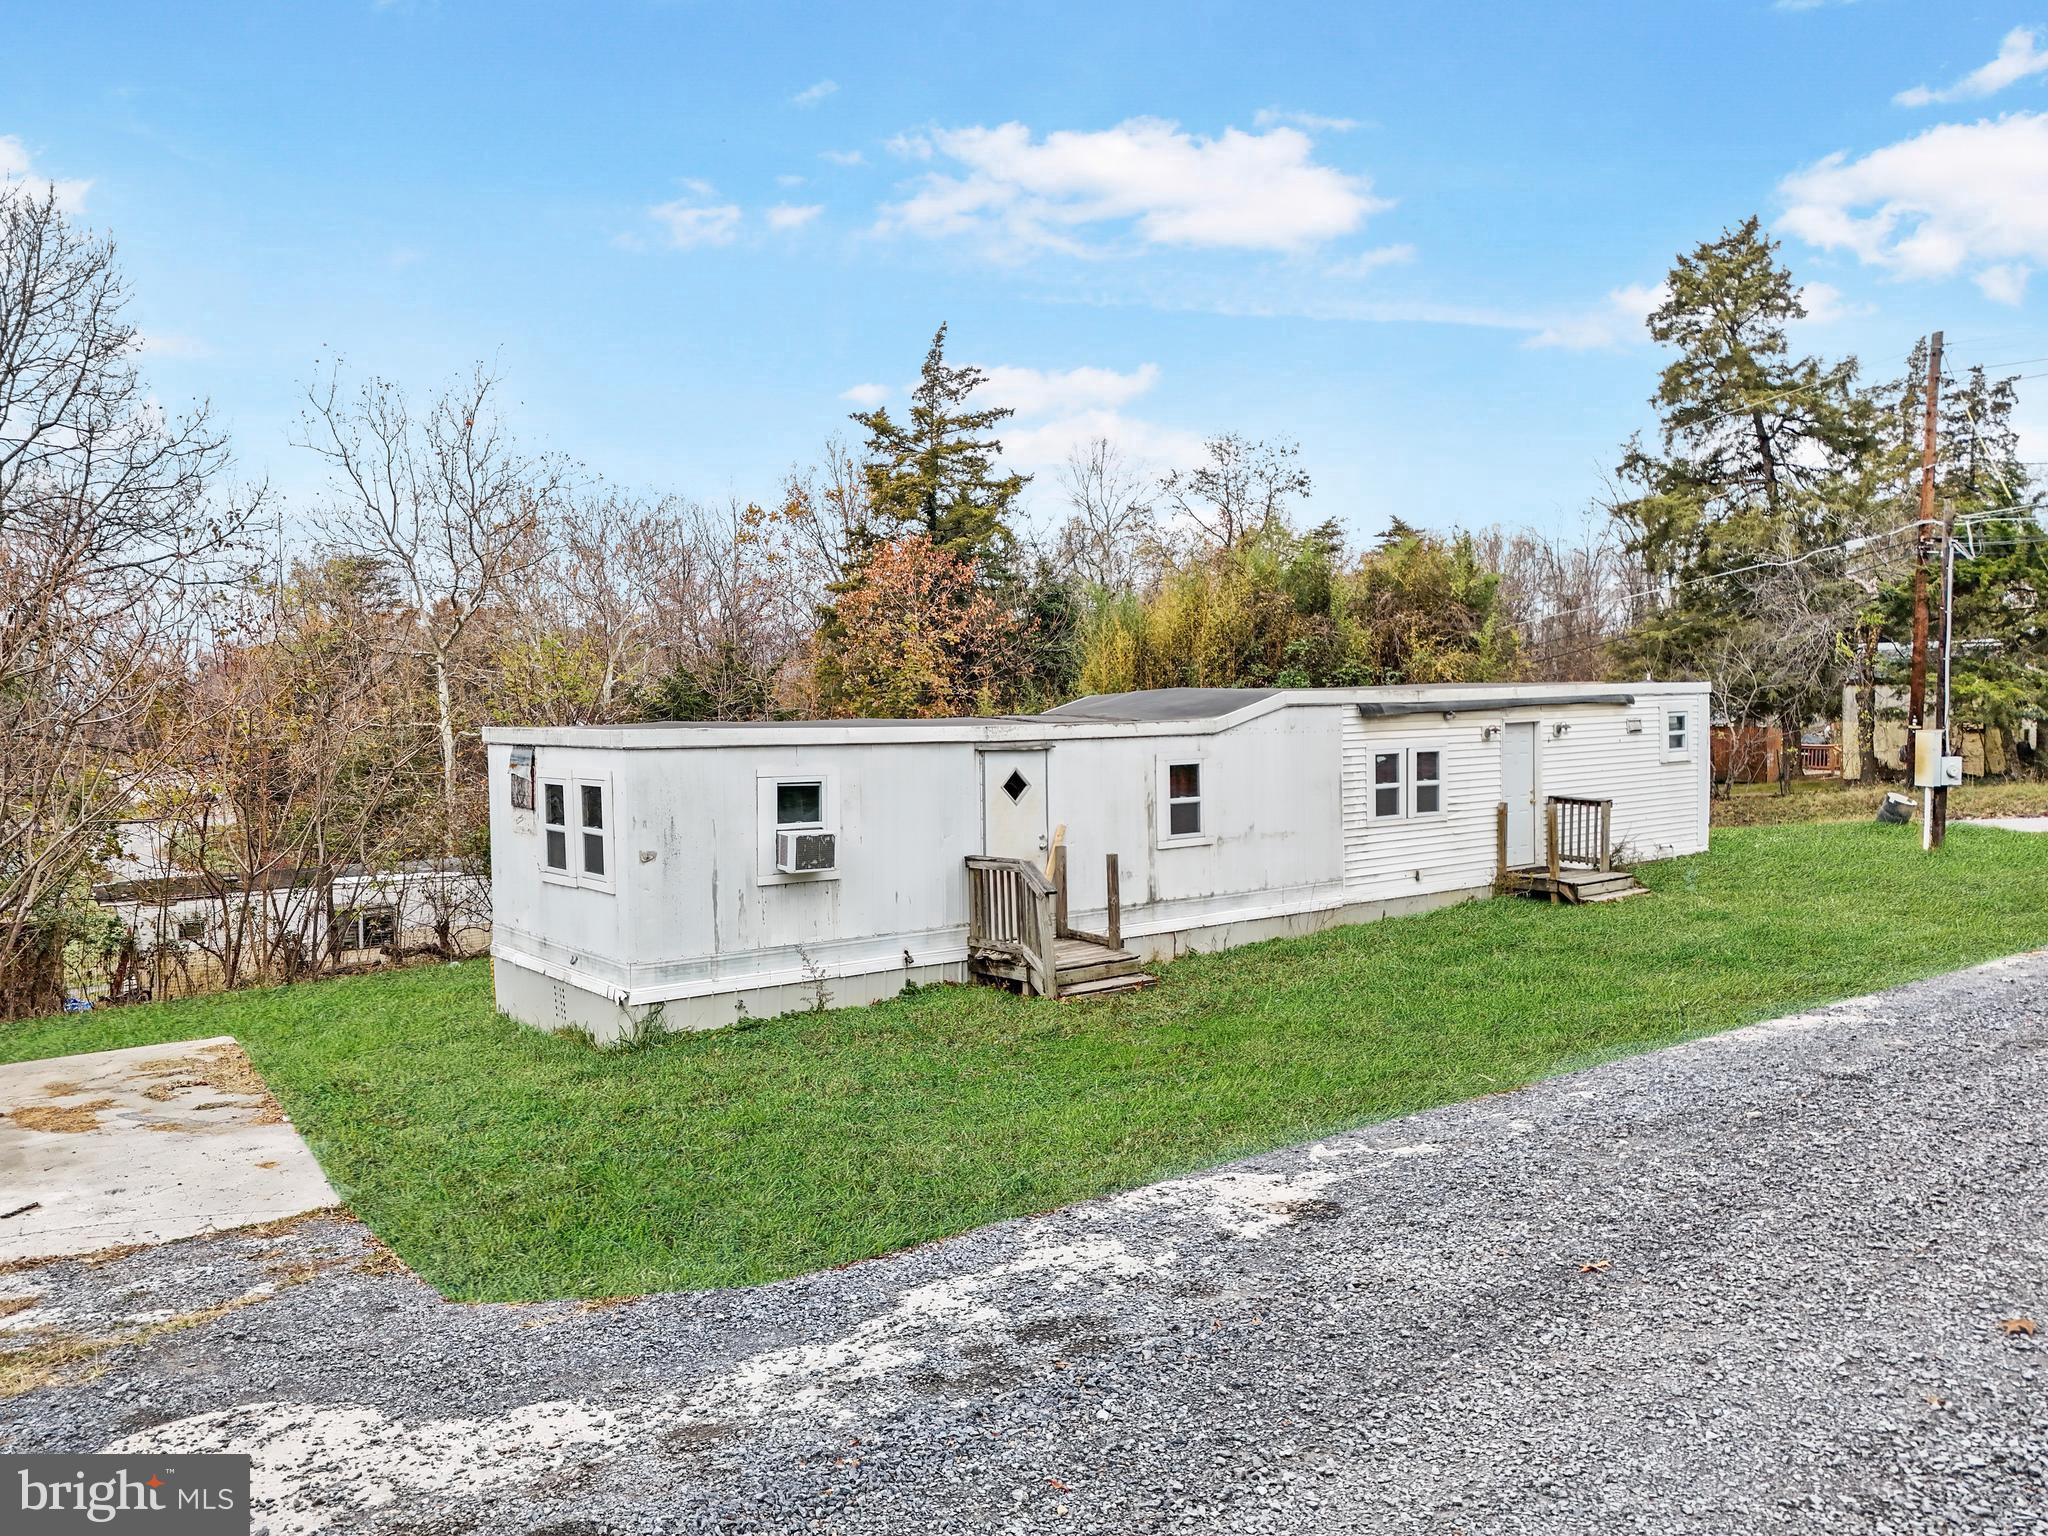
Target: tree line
<point x="282" y="704"/>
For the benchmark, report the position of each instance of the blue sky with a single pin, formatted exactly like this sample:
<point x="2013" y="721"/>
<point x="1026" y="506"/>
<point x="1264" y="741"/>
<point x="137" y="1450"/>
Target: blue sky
<point x="691" y="236"/>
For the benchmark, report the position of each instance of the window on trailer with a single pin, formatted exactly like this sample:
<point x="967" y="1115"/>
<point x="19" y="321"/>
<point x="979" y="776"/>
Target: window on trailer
<point x="554" y="814"/>
<point x="1388" y="782"/>
<point x="800" y="804"/>
<point x="590" y="821"/>
<point x="1677" y="733"/>
<point x="1184" y="800"/>
<point x="366" y="927"/>
<point x="1427" y="780"/>
<point x="1407" y="782"/>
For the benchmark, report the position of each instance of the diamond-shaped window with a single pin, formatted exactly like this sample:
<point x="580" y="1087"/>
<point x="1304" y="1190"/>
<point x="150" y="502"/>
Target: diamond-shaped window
<point x="1015" y="785"/>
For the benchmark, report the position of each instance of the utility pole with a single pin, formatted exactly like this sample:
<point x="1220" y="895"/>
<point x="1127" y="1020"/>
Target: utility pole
<point x="1923" y="541"/>
<point x="1939" y="828"/>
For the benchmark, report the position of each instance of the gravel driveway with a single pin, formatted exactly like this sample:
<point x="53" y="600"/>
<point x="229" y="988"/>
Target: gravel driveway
<point x="1767" y="1281"/>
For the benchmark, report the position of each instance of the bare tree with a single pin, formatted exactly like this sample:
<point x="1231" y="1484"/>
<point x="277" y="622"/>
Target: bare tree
<point x="113" y="532"/>
<point x="1111" y="539"/>
<point x="1244" y="487"/>
<point x="1783" y="655"/>
<point x="449" y="503"/>
<point x="734" y="608"/>
<point x="1565" y="597"/>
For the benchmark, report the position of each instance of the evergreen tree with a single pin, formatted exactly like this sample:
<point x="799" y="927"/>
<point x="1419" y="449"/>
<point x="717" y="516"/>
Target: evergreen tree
<point x="936" y="474"/>
<point x="1747" y="427"/>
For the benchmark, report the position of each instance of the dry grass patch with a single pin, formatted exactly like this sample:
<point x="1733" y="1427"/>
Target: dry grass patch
<point x="61" y="1118"/>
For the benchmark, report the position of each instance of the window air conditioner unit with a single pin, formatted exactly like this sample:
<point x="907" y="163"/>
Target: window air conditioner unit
<point x="804" y="853"/>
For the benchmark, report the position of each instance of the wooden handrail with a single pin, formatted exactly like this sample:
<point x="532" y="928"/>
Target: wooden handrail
<point x="1113" y="936"/>
<point x="1579" y="831"/>
<point x="1012" y="913"/>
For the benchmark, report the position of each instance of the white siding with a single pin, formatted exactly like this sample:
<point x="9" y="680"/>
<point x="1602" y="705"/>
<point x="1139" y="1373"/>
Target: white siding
<point x="1421" y="855"/>
<point x="1660" y="807"/>
<point x="1285" y="810"/>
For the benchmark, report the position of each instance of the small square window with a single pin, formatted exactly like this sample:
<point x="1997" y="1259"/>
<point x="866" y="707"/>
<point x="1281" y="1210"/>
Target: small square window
<point x="1677" y="733"/>
<point x="191" y="929"/>
<point x="372" y="928"/>
<point x="1184" y="781"/>
<point x="1015" y="785"/>
<point x="800" y="805"/>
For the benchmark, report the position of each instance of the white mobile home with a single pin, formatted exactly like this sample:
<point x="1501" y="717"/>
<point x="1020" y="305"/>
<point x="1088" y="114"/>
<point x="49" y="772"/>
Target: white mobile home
<point x="706" y="872"/>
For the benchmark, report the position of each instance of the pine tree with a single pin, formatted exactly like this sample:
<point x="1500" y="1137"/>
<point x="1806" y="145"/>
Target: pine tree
<point x="936" y="474"/>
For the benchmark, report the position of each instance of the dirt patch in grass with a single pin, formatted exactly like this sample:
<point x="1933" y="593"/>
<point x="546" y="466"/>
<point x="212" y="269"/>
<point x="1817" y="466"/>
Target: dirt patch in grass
<point x="9" y="1305"/>
<point x="66" y="1118"/>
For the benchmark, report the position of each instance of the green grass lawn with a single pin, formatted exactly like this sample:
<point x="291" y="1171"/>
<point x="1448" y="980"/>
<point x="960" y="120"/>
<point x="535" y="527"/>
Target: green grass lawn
<point x="1760" y="805"/>
<point x="503" y="1163"/>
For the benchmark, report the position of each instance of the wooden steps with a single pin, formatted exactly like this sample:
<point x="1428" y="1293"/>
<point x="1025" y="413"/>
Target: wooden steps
<point x="1018" y="934"/>
<point x="1108" y="986"/>
<point x="1577" y="886"/>
<point x="1088" y="969"/>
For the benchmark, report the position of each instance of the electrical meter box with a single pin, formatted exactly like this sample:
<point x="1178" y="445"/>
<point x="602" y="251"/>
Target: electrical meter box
<point x="1932" y="767"/>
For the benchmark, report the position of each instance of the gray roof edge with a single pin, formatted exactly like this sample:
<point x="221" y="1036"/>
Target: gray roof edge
<point x="1380" y="711"/>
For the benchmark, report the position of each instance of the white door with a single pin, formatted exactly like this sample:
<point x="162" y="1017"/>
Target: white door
<point x="1013" y="804"/>
<point x="1518" y="789"/>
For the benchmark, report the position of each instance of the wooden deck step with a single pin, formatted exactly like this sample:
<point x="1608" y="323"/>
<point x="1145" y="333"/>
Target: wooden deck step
<point x="1109" y="986"/>
<point x="1573" y="885"/>
<point x="1078" y="962"/>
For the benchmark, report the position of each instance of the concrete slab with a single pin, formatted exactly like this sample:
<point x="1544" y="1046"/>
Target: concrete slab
<point x="144" y="1145"/>
<point x="2010" y="823"/>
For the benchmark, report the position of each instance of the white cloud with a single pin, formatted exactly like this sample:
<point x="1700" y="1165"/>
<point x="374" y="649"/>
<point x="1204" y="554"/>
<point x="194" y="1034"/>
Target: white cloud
<point x="788" y="179"/>
<point x="867" y="396"/>
<point x="1247" y="191"/>
<point x="16" y="164"/>
<point x="811" y="95"/>
<point x="1039" y="447"/>
<point x="1314" y="122"/>
<point x="843" y="156"/>
<point x="691" y="224"/>
<point x="793" y="215"/>
<point x="1038" y="392"/>
<point x="1961" y="196"/>
<point x="1615" y="321"/>
<point x="1060" y="410"/>
<point x="2005" y="283"/>
<point x="1365" y="263"/>
<point x="1825" y="304"/>
<point x="2019" y="55"/>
